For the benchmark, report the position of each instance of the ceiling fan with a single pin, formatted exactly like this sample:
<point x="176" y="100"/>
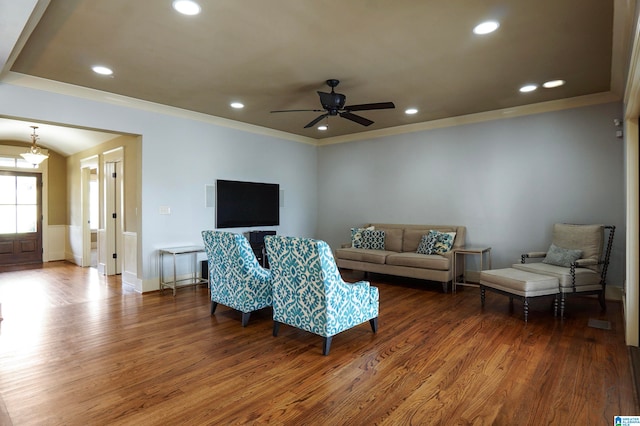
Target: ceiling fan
<point x="333" y="104"/>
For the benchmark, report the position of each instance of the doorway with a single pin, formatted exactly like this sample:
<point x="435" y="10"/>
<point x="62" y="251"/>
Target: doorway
<point x="90" y="211"/>
<point x="20" y="218"/>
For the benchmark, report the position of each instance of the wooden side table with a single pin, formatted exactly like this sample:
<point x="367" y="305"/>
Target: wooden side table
<point x="479" y="251"/>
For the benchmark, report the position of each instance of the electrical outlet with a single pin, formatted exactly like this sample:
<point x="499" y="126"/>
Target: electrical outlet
<point x="165" y="210"/>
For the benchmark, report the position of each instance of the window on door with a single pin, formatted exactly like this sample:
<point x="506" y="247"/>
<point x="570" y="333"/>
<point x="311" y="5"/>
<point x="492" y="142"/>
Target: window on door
<point x="18" y="204"/>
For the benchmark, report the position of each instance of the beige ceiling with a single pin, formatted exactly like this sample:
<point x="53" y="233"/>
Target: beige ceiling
<point x="274" y="55"/>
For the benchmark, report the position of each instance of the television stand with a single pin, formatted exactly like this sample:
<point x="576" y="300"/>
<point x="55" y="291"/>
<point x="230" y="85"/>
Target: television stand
<point x="256" y="240"/>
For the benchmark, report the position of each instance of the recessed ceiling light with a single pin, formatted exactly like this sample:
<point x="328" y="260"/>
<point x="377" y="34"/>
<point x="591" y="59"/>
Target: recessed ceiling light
<point x="553" y="83"/>
<point x="411" y="111"/>
<point x="186" y="7"/>
<point x="323" y="127"/>
<point x="528" y="88"/>
<point x="237" y="105"/>
<point x="486" y="27"/>
<point x="99" y="69"/>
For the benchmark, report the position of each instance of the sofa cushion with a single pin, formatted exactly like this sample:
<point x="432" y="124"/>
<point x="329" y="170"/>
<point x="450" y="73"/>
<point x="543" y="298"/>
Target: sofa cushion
<point x="363" y="255"/>
<point x="561" y="257"/>
<point x="412" y="238"/>
<point x="392" y="238"/>
<point x="373" y="239"/>
<point x="416" y="260"/>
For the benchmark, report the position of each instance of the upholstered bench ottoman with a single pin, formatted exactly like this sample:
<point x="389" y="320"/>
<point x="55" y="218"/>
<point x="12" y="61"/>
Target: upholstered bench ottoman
<point x="521" y="284"/>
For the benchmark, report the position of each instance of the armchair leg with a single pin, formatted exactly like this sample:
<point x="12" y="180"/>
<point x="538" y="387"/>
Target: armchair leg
<point x="326" y="345"/>
<point x="214" y="305"/>
<point x="245" y="318"/>
<point x="602" y="301"/>
<point x="276" y="328"/>
<point x="374" y="324"/>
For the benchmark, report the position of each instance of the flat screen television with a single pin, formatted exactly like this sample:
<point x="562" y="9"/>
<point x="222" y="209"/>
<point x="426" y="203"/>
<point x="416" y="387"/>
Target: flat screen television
<point x="247" y="204"/>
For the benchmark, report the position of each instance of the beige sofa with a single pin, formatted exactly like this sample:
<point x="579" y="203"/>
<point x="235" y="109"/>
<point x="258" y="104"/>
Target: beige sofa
<point x="399" y="256"/>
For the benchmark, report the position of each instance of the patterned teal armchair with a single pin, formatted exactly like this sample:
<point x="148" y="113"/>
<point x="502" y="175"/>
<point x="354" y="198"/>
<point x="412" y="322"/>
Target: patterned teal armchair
<point x="308" y="292"/>
<point x="236" y="279"/>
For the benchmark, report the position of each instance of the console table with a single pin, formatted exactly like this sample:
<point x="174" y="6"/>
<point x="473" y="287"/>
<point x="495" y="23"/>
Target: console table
<point x="175" y="283"/>
<point x="478" y="251"/>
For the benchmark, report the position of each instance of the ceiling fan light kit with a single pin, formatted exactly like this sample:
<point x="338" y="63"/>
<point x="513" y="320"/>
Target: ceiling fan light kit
<point x="334" y="104"/>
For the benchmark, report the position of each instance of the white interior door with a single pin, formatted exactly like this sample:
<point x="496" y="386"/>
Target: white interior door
<point x="114" y="211"/>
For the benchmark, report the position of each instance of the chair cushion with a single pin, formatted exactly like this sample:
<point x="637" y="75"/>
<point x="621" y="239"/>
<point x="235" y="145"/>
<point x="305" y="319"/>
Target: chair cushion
<point x="586" y="279"/>
<point x="416" y="260"/>
<point x="561" y="257"/>
<point x="588" y="238"/>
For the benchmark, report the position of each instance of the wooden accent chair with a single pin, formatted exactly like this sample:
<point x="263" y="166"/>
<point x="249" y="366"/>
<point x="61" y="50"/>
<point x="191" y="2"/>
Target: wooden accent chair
<point x="236" y="279"/>
<point x="309" y="293"/>
<point x="578" y="257"/>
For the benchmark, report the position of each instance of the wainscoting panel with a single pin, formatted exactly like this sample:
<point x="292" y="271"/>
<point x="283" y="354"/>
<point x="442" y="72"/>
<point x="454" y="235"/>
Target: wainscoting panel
<point x="102" y="252"/>
<point x="56" y="244"/>
<point x="130" y="261"/>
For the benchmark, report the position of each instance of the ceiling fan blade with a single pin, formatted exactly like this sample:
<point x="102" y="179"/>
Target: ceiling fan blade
<point x="367" y="107"/>
<point x="316" y="121"/>
<point x="356" y="118"/>
<point x="298" y="110"/>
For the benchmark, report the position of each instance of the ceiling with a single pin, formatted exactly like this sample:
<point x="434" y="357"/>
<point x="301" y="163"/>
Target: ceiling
<point x="275" y="55"/>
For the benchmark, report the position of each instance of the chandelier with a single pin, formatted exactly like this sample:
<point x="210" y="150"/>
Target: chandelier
<point x="34" y="155"/>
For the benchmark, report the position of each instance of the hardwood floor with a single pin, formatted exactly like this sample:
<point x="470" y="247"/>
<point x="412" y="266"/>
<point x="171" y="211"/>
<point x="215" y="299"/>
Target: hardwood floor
<point x="77" y="349"/>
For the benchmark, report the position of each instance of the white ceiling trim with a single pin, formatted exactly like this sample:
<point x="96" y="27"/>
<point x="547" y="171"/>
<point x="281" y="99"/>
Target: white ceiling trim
<point x="542" y="107"/>
<point x="114" y="99"/>
<point x="18" y="79"/>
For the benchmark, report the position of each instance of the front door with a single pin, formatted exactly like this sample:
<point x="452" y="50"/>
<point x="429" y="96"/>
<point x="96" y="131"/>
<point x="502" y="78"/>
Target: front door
<point x="20" y="218"/>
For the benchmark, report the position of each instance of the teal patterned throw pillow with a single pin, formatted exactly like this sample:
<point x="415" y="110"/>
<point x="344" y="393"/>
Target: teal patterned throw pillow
<point x="427" y="243"/>
<point x="444" y="242"/>
<point x="436" y="242"/>
<point x="373" y="240"/>
<point x="356" y="237"/>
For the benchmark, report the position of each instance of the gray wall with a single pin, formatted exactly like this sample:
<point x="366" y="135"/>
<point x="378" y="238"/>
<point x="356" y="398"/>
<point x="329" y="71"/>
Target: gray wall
<point x="507" y="180"/>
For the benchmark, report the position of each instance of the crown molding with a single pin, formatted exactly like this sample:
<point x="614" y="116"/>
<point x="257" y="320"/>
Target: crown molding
<point x="28" y="81"/>
<point x="500" y="114"/>
<point x="39" y="83"/>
